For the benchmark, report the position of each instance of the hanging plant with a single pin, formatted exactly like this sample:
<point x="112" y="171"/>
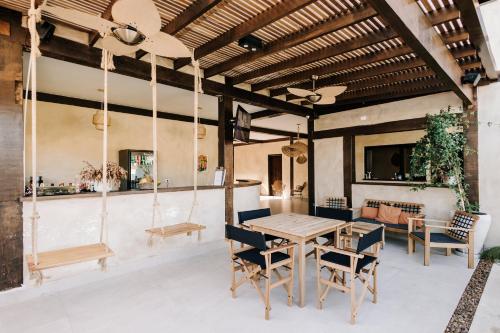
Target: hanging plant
<point x="440" y="153"/>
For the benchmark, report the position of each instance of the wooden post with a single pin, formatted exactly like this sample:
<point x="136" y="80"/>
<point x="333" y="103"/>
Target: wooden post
<point x="471" y="169"/>
<point x="11" y="150"/>
<point x="226" y="151"/>
<point x="291" y="171"/>
<point x="310" y="165"/>
<point x="349" y="171"/>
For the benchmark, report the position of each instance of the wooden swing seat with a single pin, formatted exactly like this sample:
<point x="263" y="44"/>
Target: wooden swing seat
<point x="176" y="229"/>
<point x="69" y="256"/>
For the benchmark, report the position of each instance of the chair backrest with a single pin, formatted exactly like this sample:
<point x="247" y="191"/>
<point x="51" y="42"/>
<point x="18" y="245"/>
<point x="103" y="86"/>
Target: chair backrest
<point x="247" y="237"/>
<point x="369" y="239"/>
<point x="407" y="207"/>
<point x="462" y="219"/>
<point x="334" y="213"/>
<point x="253" y="214"/>
<point x="336" y="202"/>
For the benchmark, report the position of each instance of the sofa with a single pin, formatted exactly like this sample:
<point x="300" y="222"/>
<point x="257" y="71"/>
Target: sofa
<point x="410" y="209"/>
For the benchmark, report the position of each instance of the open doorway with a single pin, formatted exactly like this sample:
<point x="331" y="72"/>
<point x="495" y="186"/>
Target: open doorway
<point x="274" y="167"/>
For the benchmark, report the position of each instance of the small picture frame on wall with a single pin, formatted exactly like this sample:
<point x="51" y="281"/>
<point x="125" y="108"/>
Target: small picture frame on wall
<point x="219" y="176"/>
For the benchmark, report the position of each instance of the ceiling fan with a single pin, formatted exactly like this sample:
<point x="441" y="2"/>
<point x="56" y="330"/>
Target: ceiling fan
<point x="136" y="25"/>
<point x="325" y="95"/>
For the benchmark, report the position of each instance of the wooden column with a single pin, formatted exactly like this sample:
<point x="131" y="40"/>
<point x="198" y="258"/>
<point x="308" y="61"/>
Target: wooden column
<point x="11" y="150"/>
<point x="471" y="169"/>
<point x="226" y="151"/>
<point x="349" y="168"/>
<point x="291" y="171"/>
<point x="310" y="165"/>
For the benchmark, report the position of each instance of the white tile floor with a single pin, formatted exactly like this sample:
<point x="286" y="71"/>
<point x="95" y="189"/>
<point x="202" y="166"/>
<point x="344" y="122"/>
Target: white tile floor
<point x="487" y="318"/>
<point x="193" y="295"/>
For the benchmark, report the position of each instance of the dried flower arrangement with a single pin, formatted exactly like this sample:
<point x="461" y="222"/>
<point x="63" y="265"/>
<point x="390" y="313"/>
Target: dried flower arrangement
<point x="115" y="173"/>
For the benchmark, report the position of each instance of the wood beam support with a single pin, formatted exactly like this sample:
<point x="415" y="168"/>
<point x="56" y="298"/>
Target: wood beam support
<point x="189" y="15"/>
<point x="11" y="150"/>
<point x="443" y="15"/>
<point x="292" y="186"/>
<point x="407" y="19"/>
<point x="302" y="36"/>
<point x="471" y="165"/>
<point x="349" y="167"/>
<point x="327" y="52"/>
<point x="266" y="114"/>
<point x="257" y="22"/>
<point x="310" y="167"/>
<point x="226" y="152"/>
<point x="67" y="50"/>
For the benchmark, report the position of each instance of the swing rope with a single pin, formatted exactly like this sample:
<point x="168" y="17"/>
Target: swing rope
<point x="106" y="57"/>
<point x="156" y="204"/>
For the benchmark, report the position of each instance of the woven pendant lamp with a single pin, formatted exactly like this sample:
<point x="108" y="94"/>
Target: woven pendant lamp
<point x="301" y="159"/>
<point x="98" y="117"/>
<point x="296" y="149"/>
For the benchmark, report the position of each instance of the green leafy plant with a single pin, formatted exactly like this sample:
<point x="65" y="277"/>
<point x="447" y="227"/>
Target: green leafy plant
<point x="492" y="254"/>
<point x="440" y="153"/>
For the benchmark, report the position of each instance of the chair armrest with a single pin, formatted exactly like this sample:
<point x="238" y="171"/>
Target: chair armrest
<point x="241" y="249"/>
<point x="278" y="248"/>
<point x="447" y="228"/>
<point x="340" y="251"/>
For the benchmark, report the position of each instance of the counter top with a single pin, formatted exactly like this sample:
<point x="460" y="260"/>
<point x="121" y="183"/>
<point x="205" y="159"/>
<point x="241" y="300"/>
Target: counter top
<point x="239" y="183"/>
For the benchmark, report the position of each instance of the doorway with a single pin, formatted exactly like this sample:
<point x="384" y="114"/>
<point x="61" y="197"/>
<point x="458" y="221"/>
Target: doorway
<point x="275" y="178"/>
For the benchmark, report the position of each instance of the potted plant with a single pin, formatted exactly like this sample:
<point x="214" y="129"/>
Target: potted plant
<point x="93" y="176"/>
<point x="439" y="154"/>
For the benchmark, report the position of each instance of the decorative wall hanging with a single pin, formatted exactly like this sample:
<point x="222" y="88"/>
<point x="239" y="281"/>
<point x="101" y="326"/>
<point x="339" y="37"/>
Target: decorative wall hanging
<point x="202" y="163"/>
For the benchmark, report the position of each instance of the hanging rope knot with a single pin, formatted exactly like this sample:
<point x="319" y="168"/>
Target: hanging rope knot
<point x="197" y="73"/>
<point x="34" y="16"/>
<point x="153" y="70"/>
<point x="107" y="56"/>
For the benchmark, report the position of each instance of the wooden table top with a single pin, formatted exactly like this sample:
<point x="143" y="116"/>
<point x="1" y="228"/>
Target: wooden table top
<point x="297" y="225"/>
<point x="365" y="227"/>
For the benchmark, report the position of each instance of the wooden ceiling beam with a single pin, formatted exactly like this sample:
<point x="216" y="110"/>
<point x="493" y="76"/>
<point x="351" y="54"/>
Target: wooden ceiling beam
<point x="471" y="65"/>
<point x="266" y="114"/>
<point x="326" y="52"/>
<point x="455" y="36"/>
<point x="189" y="15"/>
<point x="406" y="18"/>
<point x="94" y="35"/>
<point x="302" y="36"/>
<point x="356" y="75"/>
<point x="334" y="67"/>
<point x="463" y="52"/>
<point x="257" y="22"/>
<point x="70" y="51"/>
<point x="443" y="15"/>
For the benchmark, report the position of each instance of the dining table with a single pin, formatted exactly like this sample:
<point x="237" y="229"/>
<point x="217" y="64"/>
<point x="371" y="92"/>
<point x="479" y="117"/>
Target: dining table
<point x="300" y="229"/>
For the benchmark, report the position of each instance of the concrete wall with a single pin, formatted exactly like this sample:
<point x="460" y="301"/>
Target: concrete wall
<point x="250" y="162"/>
<point x="328" y="167"/>
<point x="489" y="157"/>
<point x="67" y="137"/>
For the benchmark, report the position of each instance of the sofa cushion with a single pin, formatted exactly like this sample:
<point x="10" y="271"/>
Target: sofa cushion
<point x="388" y="214"/>
<point x="403" y="219"/>
<point x="369" y="212"/>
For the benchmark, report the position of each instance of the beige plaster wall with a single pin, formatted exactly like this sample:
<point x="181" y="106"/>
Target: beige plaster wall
<point x="489" y="158"/>
<point x="250" y="162"/>
<point x="328" y="166"/>
<point x="66" y="137"/>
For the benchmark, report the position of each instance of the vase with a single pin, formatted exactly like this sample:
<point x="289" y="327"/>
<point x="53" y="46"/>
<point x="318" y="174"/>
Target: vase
<point x="111" y="186"/>
<point x="480" y="234"/>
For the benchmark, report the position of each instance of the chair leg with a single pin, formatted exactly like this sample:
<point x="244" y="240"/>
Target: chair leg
<point x="448" y="251"/>
<point x="470" y="258"/>
<point x="318" y="281"/>
<point x="374" y="300"/>
<point x="233" y="281"/>
<point x="410" y="245"/>
<point x="427" y="255"/>
<point x="353" y="297"/>
<point x="268" y="292"/>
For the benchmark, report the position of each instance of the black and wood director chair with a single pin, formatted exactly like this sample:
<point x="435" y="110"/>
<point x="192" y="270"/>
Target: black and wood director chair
<point x="358" y="263"/>
<point x="255" y="260"/>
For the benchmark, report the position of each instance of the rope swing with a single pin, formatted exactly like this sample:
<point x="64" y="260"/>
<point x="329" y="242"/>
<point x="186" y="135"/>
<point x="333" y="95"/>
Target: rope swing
<point x="187" y="227"/>
<point x="37" y="262"/>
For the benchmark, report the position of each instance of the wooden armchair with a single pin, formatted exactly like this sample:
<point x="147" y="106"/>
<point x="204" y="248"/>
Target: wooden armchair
<point x="458" y="233"/>
<point x="297" y="191"/>
<point x="358" y="263"/>
<point x="255" y="258"/>
<point x="256" y="214"/>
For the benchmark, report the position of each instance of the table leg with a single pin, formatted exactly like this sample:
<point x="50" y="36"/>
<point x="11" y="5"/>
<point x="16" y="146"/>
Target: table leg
<point x="302" y="273"/>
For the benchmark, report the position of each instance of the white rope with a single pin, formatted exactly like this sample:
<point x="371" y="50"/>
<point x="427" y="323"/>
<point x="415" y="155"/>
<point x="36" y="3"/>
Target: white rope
<point x="104" y="212"/>
<point x="156" y="204"/>
<point x="34" y="16"/>
<point x="197" y="90"/>
<point x="107" y="56"/>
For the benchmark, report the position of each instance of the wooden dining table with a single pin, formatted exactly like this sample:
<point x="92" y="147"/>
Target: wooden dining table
<point x="296" y="228"/>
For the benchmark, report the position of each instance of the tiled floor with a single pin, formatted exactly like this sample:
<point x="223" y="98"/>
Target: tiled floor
<point x="193" y="296"/>
<point x="487" y="318"/>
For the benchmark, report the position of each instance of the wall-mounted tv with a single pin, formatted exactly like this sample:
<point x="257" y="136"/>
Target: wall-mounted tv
<point x="242" y="125"/>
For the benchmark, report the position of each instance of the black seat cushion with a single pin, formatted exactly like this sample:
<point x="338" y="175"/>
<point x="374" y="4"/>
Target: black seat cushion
<point x="254" y="256"/>
<point x="437" y="237"/>
<point x="270" y="237"/>
<point x="364" y="219"/>
<point x="345" y="260"/>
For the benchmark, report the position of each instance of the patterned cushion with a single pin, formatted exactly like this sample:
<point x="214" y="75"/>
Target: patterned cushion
<point x="376" y="203"/>
<point x="408" y="207"/>
<point x="336" y="202"/>
<point x="461" y="220"/>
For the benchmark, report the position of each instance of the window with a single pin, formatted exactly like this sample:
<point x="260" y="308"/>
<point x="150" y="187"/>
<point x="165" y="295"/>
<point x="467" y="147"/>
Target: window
<point x="390" y="162"/>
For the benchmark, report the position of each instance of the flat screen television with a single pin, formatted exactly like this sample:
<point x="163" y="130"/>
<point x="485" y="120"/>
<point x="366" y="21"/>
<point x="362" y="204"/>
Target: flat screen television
<point x="242" y="125"/>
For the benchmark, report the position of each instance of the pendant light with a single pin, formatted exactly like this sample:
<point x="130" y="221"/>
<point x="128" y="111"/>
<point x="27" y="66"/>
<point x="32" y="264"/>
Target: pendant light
<point x="202" y="130"/>
<point x="296" y="149"/>
<point x="98" y="117"/>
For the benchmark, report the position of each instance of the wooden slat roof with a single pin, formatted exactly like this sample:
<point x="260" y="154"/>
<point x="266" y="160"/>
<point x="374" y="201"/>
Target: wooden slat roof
<point x="360" y="55"/>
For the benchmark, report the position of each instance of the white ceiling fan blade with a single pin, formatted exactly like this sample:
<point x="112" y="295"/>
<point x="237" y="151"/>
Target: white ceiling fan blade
<point x="82" y="19"/>
<point x="141" y="14"/>
<point x="116" y="47"/>
<point x="326" y="100"/>
<point x="299" y="92"/>
<point x="331" y="91"/>
<point x="165" y="45"/>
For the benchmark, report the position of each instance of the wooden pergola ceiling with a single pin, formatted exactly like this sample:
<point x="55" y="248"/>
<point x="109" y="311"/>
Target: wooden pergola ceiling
<point x="345" y="42"/>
